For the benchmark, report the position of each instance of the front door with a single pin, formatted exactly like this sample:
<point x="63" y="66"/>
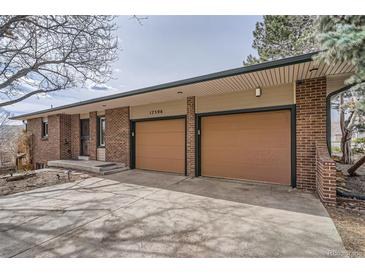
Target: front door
<point x="84" y="137"/>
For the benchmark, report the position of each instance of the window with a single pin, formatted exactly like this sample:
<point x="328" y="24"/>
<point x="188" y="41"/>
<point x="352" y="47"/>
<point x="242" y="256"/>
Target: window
<point x="44" y="128"/>
<point x="40" y="166"/>
<point x="101" y="132"/>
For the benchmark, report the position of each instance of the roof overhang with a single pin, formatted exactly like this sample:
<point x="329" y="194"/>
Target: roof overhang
<point x="273" y="73"/>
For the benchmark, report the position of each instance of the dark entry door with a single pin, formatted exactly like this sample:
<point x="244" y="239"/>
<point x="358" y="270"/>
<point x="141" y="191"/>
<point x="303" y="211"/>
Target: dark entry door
<point x="84" y="137"/>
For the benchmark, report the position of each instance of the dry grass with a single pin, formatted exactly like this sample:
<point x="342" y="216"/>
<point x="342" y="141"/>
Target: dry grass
<point x="351" y="226"/>
<point x="43" y="178"/>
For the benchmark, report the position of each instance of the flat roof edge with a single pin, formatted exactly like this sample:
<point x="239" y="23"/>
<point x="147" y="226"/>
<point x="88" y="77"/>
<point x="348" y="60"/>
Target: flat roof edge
<point x="207" y="77"/>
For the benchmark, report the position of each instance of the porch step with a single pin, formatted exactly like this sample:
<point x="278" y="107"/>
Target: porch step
<point x="84" y="158"/>
<point x="110" y="166"/>
<point x="112" y="171"/>
<point x="98" y="167"/>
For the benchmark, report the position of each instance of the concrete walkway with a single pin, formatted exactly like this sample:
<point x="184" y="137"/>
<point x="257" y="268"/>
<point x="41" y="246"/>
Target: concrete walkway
<point x="122" y="217"/>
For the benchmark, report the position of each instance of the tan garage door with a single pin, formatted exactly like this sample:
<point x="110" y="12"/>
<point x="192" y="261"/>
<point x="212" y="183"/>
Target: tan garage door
<point x="160" y="145"/>
<point x="251" y="146"/>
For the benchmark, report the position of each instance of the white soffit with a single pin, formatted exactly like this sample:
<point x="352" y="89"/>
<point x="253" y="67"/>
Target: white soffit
<point x="236" y="83"/>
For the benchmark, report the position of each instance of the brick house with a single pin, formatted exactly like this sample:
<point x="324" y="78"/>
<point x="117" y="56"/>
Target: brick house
<point x="265" y="123"/>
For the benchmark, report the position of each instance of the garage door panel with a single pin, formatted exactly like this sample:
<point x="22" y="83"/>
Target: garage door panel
<point x="154" y="139"/>
<point x="160" y="145"/>
<point x="170" y="152"/>
<point x="251" y="146"/>
<point x="236" y="171"/>
<point x="161" y="164"/>
<point x="263" y="156"/>
<point x="235" y="140"/>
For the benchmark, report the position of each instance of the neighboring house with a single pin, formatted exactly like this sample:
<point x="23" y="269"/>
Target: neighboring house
<point x="258" y="123"/>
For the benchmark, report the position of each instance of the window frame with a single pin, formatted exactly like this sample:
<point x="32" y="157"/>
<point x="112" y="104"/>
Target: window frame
<point x="99" y="131"/>
<point x="44" y="129"/>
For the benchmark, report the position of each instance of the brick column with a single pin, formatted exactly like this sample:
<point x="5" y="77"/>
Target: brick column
<point x="75" y="136"/>
<point x="65" y="136"/>
<point x="325" y="176"/>
<point x="93" y="134"/>
<point x="190" y="137"/>
<point x="311" y="128"/>
<point x="117" y="134"/>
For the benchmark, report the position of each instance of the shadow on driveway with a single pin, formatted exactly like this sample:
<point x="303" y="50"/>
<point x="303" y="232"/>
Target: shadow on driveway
<point x="258" y="194"/>
<point x="150" y="214"/>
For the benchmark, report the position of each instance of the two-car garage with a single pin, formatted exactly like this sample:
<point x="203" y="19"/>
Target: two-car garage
<point x="254" y="146"/>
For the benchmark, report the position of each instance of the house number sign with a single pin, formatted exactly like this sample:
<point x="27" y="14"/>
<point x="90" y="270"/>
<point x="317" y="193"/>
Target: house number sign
<point x="156" y="111"/>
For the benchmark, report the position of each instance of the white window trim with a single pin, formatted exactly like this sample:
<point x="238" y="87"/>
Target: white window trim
<point x="44" y="123"/>
<point x="100" y="132"/>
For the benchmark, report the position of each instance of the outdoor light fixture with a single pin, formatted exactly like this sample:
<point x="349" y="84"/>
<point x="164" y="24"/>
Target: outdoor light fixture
<point x="258" y="92"/>
<point x="179" y="92"/>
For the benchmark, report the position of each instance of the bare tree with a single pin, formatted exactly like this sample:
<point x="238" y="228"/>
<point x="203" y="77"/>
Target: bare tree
<point x="139" y="19"/>
<point x="351" y="108"/>
<point x="4" y="116"/>
<point x="41" y="54"/>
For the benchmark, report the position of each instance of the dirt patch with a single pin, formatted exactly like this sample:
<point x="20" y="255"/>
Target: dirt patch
<point x="351" y="226"/>
<point x="353" y="184"/>
<point x="42" y="178"/>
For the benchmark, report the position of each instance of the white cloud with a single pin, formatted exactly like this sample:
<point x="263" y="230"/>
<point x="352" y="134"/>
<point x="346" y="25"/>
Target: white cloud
<point x="101" y="87"/>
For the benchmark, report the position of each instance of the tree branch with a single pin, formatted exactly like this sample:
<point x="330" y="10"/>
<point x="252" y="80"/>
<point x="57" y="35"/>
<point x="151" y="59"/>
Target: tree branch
<point x="25" y="96"/>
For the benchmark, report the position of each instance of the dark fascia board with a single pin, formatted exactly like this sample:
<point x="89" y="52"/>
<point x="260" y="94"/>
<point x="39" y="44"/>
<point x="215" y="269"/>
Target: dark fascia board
<point x="212" y="76"/>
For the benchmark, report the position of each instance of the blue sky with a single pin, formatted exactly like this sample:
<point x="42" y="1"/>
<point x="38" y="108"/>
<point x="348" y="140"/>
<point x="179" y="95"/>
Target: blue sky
<point x="163" y="49"/>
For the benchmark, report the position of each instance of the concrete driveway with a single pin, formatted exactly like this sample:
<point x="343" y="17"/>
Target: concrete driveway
<point x="150" y="214"/>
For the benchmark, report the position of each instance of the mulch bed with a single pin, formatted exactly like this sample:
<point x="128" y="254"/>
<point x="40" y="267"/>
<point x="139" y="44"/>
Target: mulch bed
<point x="350" y="189"/>
<point x="41" y="178"/>
<point x="349" y="215"/>
<point x="351" y="227"/>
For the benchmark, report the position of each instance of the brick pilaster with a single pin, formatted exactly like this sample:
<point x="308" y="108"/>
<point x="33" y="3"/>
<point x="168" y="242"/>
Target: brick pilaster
<point x="93" y="135"/>
<point x="311" y="128"/>
<point x="190" y="136"/>
<point x="65" y="136"/>
<point x="75" y="136"/>
<point x="117" y="134"/>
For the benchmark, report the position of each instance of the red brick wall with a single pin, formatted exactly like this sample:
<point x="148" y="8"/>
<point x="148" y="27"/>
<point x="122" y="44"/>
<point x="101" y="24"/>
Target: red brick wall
<point x="93" y="136"/>
<point x="56" y="145"/>
<point x="117" y="132"/>
<point x="325" y="176"/>
<point x="311" y="128"/>
<point x="190" y="136"/>
<point x="75" y="136"/>
<point x="65" y="136"/>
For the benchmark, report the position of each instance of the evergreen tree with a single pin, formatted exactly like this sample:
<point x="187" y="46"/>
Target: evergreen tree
<point x="282" y="36"/>
<point x="342" y="38"/>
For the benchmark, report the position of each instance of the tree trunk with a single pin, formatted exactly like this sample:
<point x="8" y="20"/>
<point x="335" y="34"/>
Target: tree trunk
<point x="346" y="147"/>
<point x="358" y="164"/>
<point x="346" y="134"/>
